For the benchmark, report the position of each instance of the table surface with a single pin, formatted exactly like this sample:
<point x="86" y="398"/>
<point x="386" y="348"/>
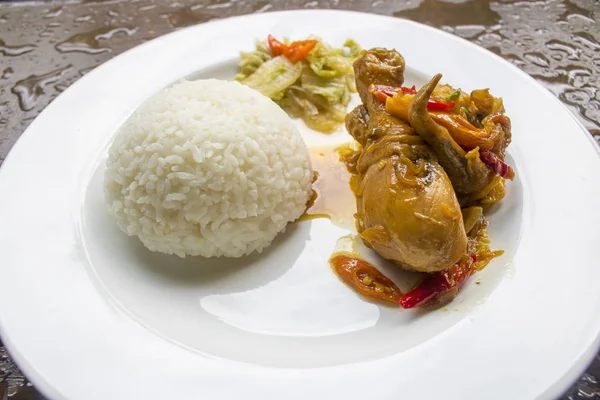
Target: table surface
<point x="46" y="46"/>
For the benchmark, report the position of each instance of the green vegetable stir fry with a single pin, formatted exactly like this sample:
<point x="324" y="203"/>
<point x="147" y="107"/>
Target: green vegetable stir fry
<point x="309" y="79"/>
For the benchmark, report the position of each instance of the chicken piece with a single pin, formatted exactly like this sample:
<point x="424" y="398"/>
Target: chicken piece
<point x="407" y="210"/>
<point x="470" y="177"/>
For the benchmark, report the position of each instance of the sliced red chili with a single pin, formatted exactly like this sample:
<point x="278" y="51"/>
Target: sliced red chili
<point x="297" y="51"/>
<point x="439" y="283"/>
<point x="365" y="279"/>
<point x="277" y="47"/>
<point x="434" y="105"/>
<point x="497" y="165"/>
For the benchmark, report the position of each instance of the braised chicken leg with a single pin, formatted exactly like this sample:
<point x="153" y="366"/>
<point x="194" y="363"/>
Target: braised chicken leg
<point x="407" y="209"/>
<point x="469" y="175"/>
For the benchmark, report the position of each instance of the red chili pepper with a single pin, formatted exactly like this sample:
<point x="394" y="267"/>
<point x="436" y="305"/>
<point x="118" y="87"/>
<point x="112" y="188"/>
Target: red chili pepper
<point x="382" y="92"/>
<point x="434" y="105"/>
<point x="439" y="283"/>
<point x="365" y="278"/>
<point x="277" y="47"/>
<point x="497" y="165"/>
<point x="296" y="51"/>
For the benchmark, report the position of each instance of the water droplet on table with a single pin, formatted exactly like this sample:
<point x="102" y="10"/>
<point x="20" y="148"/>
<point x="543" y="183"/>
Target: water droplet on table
<point x="54" y="12"/>
<point x="15" y="50"/>
<point x="579" y="77"/>
<point x="469" y="31"/>
<point x="440" y="13"/>
<point x="262" y="7"/>
<point x="7" y="73"/>
<point x="148" y="7"/>
<point x="85" y="18"/>
<point x="537" y="58"/>
<point x="31" y="88"/>
<point x="89" y="42"/>
<point x="586" y="39"/>
<point x="219" y="4"/>
<point x="311" y="4"/>
<point x="558" y="45"/>
<point x="187" y="17"/>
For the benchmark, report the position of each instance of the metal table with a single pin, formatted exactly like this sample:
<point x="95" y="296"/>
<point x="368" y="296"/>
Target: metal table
<point x="46" y="46"/>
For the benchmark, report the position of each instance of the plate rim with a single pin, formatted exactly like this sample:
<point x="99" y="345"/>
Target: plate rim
<point x="46" y="388"/>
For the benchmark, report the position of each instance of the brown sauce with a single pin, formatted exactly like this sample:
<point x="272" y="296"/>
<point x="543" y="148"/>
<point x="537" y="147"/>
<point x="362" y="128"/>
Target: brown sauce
<point x="332" y="195"/>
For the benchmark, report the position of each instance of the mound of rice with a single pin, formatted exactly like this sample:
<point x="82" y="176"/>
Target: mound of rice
<point x="209" y="168"/>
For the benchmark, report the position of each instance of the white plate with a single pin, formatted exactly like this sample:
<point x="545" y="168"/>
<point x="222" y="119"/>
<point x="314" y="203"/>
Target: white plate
<point x="89" y="313"/>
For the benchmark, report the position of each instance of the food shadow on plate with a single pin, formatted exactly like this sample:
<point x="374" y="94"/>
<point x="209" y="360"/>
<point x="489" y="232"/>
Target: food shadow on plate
<point x="237" y="274"/>
<point x="116" y="257"/>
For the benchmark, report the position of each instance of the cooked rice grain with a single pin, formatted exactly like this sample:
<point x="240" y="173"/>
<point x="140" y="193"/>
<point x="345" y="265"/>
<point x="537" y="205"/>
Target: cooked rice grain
<point x="209" y="168"/>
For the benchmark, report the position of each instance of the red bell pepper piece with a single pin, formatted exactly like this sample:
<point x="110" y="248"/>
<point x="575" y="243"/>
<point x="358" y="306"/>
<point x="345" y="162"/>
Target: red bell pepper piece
<point x="439" y="283"/>
<point x="497" y="165"/>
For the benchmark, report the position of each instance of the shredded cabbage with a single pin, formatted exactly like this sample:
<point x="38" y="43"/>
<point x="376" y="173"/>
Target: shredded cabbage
<point x="272" y="77"/>
<point x="317" y="89"/>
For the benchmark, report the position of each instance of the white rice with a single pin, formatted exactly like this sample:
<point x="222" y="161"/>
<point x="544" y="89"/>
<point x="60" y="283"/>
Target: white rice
<point x="209" y="168"/>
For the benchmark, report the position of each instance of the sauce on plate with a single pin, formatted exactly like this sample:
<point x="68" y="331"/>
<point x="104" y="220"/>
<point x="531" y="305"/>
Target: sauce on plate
<point x="332" y="196"/>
